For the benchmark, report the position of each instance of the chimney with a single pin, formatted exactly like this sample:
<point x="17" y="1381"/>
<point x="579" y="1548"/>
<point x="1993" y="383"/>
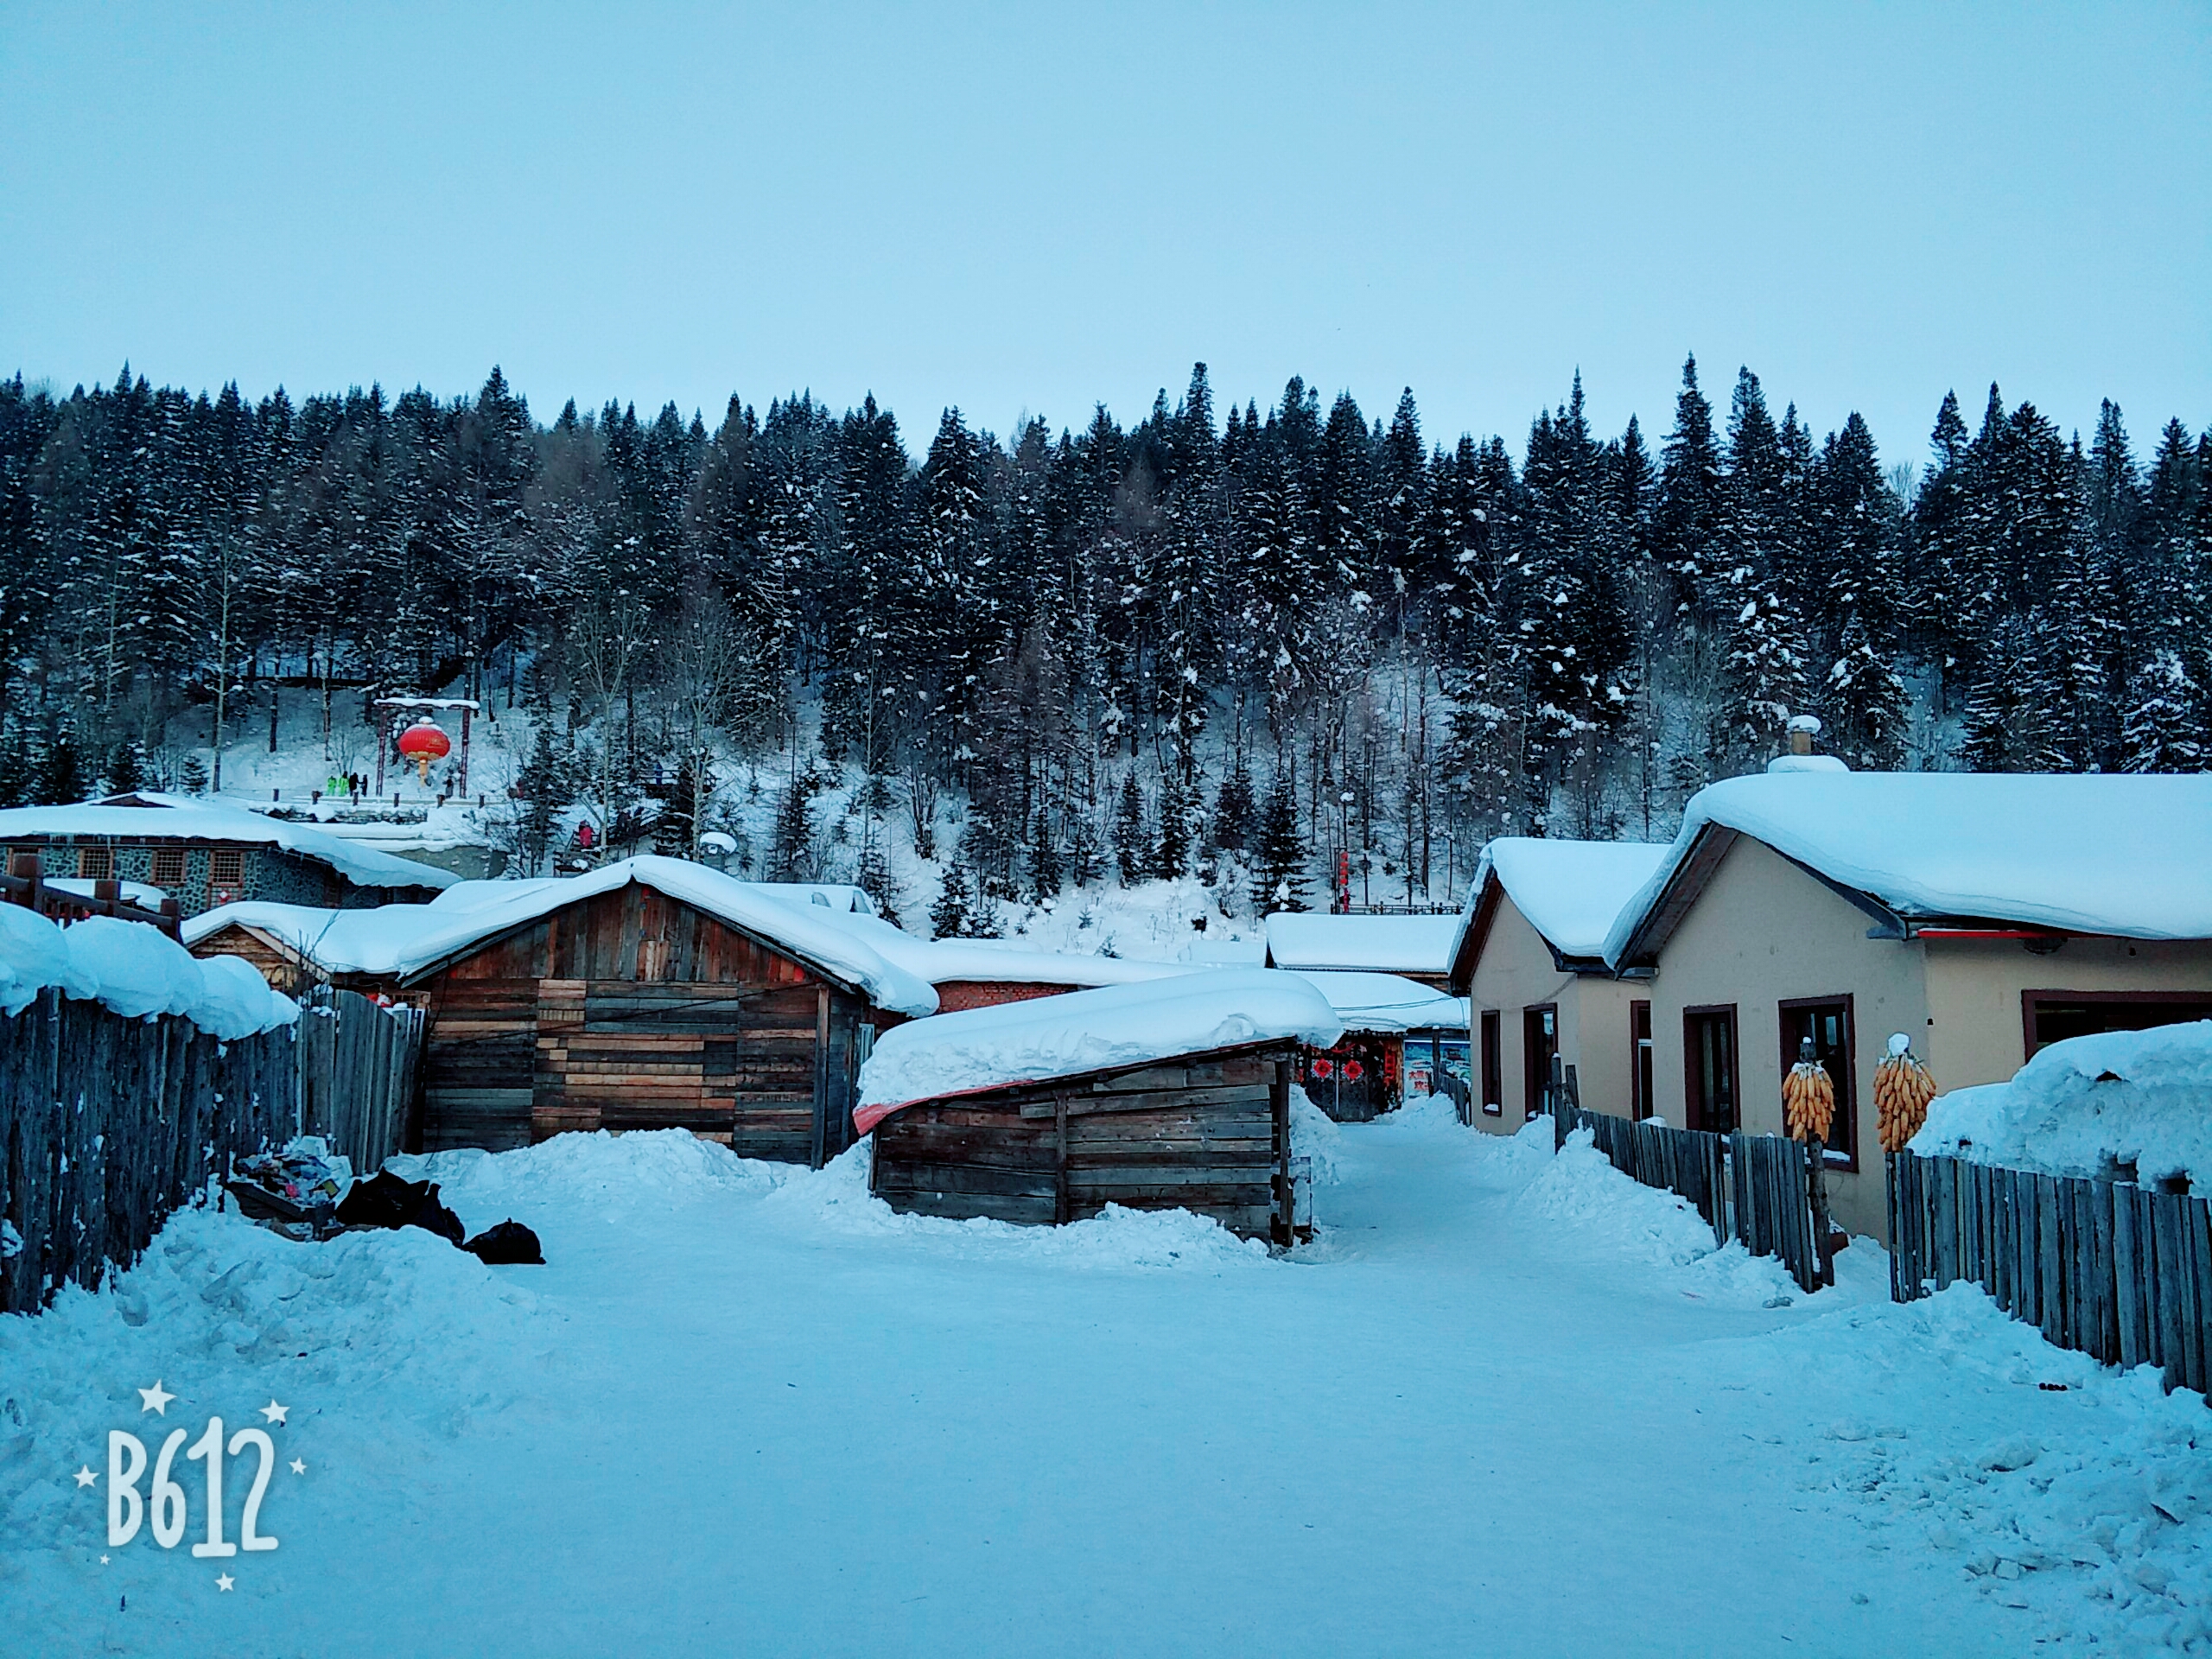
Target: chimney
<point x="1802" y="729"/>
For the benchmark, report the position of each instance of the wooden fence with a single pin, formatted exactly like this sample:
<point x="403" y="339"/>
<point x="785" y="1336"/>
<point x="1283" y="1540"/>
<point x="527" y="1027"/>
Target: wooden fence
<point x="107" y="1125"/>
<point x="358" y="1064"/>
<point x="2109" y="1268"/>
<point x="1760" y="1189"/>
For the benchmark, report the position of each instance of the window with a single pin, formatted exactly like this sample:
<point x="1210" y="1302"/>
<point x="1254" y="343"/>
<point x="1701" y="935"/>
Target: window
<point x="1493" y="1065"/>
<point x="226" y="868"/>
<point x="1709" y="1064"/>
<point x="2053" y="1016"/>
<point x="95" y="863"/>
<point x="1539" y="1043"/>
<point x="1639" y="1060"/>
<point x="168" y="866"/>
<point x="1827" y="1020"/>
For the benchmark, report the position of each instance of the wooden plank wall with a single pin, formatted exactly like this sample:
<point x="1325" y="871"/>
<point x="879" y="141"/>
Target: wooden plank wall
<point x="2115" y="1270"/>
<point x="631" y="1010"/>
<point x="1207" y="1134"/>
<point x="358" y="1068"/>
<point x="108" y="1125"/>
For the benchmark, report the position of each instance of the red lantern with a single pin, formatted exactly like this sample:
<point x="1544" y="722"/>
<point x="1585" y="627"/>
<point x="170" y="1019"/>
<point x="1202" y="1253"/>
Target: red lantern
<point x="422" y="742"/>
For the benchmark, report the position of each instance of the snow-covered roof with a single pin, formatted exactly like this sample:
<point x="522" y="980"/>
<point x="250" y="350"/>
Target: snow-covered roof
<point x="190" y="819"/>
<point x="806" y="933"/>
<point x="135" y="970"/>
<point x="2078" y="853"/>
<point x="1390" y="1003"/>
<point x="1568" y="891"/>
<point x="1108" y="1029"/>
<point x="1389" y="944"/>
<point x="364" y="940"/>
<point x="944" y="961"/>
<point x="822" y="895"/>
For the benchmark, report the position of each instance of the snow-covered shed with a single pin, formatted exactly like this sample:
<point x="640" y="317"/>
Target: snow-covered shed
<point x="298" y="946"/>
<point x="1168" y="1094"/>
<point x="1528" y="953"/>
<point x="1418" y="947"/>
<point x="1983" y="916"/>
<point x="205" y="852"/>
<point x="1385" y="1016"/>
<point x="650" y="994"/>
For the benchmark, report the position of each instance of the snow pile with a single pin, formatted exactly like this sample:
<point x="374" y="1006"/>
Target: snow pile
<point x="1389" y="944"/>
<point x="2090" y="1503"/>
<point x="135" y="970"/>
<point x="1569" y="891"/>
<point x="2080" y="1107"/>
<point x="189" y="818"/>
<point x="835" y="1200"/>
<point x="1426" y="1111"/>
<point x="1317" y="1138"/>
<point x="940" y="960"/>
<point x="1605" y="1214"/>
<point x="2087" y="853"/>
<point x="1083" y="1032"/>
<point x="611" y="1175"/>
<point x="810" y="933"/>
<point x="355" y="1332"/>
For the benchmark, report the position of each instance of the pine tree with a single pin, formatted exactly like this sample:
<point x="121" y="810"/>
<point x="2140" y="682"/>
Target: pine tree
<point x="1133" y="849"/>
<point x="60" y="772"/>
<point x="1279" y="876"/>
<point x="1046" y="874"/>
<point x="1086" y="855"/>
<point x="875" y="879"/>
<point x="126" y="769"/>
<point x="791" y="849"/>
<point x="953" y="917"/>
<point x="1233" y="810"/>
<point x="1686" y="530"/>
<point x="2166" y="718"/>
<point x="1866" y="705"/>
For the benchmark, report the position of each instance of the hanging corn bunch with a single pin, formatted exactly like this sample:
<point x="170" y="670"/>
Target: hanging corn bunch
<point x="1902" y="1091"/>
<point x="1808" y="1097"/>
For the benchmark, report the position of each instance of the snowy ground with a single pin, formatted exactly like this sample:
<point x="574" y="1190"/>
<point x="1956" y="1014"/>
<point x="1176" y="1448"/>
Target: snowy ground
<point x="1502" y="1405"/>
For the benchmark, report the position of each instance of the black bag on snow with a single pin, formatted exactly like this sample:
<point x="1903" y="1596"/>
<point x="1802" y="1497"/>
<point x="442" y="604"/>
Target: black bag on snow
<point x="508" y="1244"/>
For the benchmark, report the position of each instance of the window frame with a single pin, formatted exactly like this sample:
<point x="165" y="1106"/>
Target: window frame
<point x="168" y="866"/>
<point x="2033" y="1002"/>
<point x="1693" y="1102"/>
<point x="218" y="858"/>
<point x="1847" y="1086"/>
<point x="1536" y="1081"/>
<point x="1641" y="1077"/>
<point x="95" y="863"/>
<point x="1491" y="1059"/>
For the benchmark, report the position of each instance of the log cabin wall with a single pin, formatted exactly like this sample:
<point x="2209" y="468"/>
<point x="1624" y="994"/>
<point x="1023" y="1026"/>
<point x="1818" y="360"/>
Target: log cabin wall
<point x="632" y="1010"/>
<point x="1208" y="1132"/>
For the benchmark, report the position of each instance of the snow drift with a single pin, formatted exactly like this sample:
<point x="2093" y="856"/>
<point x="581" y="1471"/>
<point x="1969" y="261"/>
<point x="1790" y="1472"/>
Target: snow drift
<point x="2085" y="1105"/>
<point x="135" y="970"/>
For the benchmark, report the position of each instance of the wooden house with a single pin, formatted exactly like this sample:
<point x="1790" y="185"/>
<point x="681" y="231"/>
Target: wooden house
<point x="1530" y="956"/>
<point x="1364" y="1074"/>
<point x="1982" y="915"/>
<point x="1171" y="1094"/>
<point x="203" y="853"/>
<point x="298" y="947"/>
<point x="651" y="994"/>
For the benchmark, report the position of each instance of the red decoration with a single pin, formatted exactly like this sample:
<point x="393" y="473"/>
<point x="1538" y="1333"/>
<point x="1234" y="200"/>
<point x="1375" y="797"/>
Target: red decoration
<point x="1354" y="1071"/>
<point x="1322" y="1069"/>
<point x="422" y="742"/>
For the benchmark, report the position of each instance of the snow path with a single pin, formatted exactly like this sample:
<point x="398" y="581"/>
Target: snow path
<point x="747" y="1410"/>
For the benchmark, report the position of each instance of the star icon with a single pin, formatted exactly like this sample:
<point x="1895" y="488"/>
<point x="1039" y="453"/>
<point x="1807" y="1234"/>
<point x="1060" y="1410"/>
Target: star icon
<point x="85" y="1476"/>
<point x="102" y="1560"/>
<point x="223" y="1581"/>
<point x="274" y="1412"/>
<point x="157" y="1399"/>
<point x="298" y="1468"/>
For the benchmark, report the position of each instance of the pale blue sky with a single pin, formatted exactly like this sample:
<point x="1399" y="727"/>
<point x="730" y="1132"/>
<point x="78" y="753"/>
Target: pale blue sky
<point x="1035" y="207"/>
